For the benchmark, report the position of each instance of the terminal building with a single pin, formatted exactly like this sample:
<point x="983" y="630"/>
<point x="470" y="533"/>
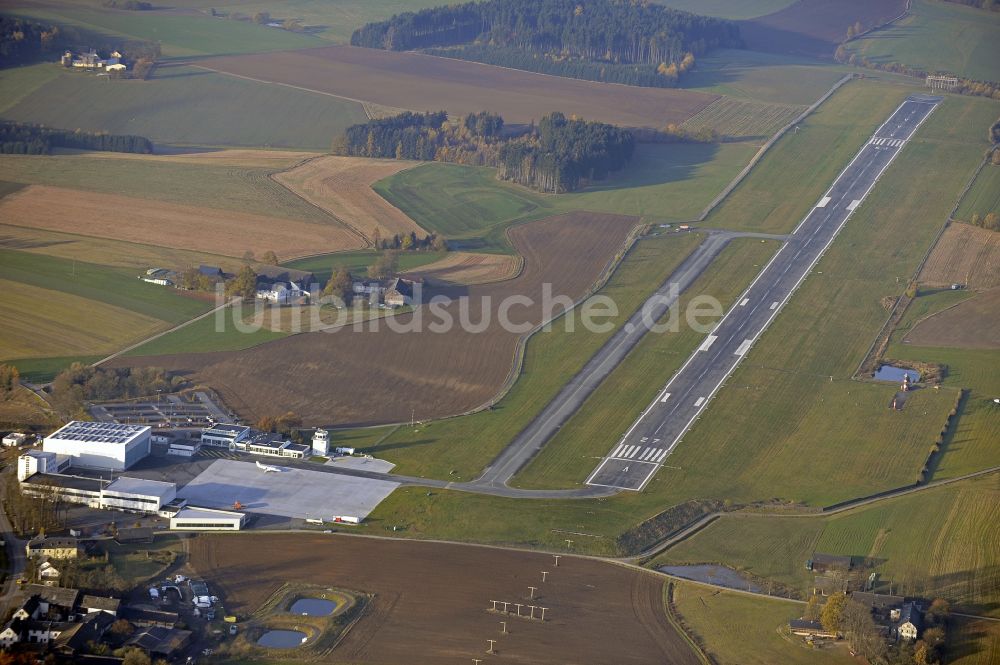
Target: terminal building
<point x="100" y="445"/>
<point x="223" y="435"/>
<point x="206" y="519"/>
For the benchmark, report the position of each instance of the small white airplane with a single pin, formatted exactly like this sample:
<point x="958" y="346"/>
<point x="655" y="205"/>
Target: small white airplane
<point x="267" y="468"/>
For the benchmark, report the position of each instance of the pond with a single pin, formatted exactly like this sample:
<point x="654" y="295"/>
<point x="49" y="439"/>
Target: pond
<point x="313" y="607"/>
<point x="896" y="374"/>
<point x="712" y="574"/>
<point x="281" y="639"/>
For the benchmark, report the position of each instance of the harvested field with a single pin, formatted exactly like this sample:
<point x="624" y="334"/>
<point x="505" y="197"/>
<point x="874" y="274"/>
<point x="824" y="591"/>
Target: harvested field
<point x="342" y="187"/>
<point x="422" y="82"/>
<point x="470" y="268"/>
<point x="966" y="255"/>
<point x="739" y="117"/>
<point x="180" y="226"/>
<point x="815" y="27"/>
<point x="245" y="158"/>
<point x="430" y="599"/>
<point x="378" y="375"/>
<point x="971" y="324"/>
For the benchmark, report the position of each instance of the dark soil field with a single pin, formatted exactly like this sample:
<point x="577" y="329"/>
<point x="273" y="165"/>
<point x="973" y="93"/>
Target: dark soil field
<point x="815" y="27"/>
<point x="971" y="324"/>
<point x="351" y="377"/>
<point x="427" y="83"/>
<point x="431" y="599"/>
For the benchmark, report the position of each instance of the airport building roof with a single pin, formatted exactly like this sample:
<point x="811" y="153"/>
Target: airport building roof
<point x="141" y="486"/>
<point x="113" y="433"/>
<point x="78" y="483"/>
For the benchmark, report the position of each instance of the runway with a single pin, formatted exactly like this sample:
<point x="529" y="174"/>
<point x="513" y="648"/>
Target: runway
<point x="634" y="460"/>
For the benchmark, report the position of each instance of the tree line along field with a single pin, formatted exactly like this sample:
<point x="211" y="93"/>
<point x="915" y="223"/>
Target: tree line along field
<point x="824" y="449"/>
<point x="663" y="183"/>
<point x="938" y="36"/>
<point x="187" y="105"/>
<point x="937" y="542"/>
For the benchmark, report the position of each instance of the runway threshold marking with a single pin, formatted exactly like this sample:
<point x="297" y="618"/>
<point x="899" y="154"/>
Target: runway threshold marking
<point x="707" y="344"/>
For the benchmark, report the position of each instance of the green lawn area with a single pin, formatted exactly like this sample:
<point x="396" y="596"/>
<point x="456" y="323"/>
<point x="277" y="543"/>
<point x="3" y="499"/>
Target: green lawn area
<point x="742" y="630"/>
<point x="570" y="456"/>
<point x="213" y="333"/>
<point x="187" y="105"/>
<point x="938" y="542"/>
<point x="459" y="448"/>
<point x="43" y="370"/>
<point x="767" y="77"/>
<point x="137" y="563"/>
<point x="225" y="186"/>
<point x="671" y="182"/>
<point x="984" y="195"/>
<point x="973" y="642"/>
<point x="113" y="286"/>
<point x="16" y="83"/>
<point x="179" y="35"/>
<point x="938" y="36"/>
<point x="731" y="9"/>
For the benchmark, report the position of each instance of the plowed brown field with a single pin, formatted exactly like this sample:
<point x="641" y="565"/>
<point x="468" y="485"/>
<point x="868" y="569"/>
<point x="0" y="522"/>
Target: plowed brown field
<point x="430" y="599"/>
<point x="815" y="27"/>
<point x="427" y="83"/>
<point x="209" y="230"/>
<point x="971" y="324"/>
<point x="965" y="255"/>
<point x="342" y="187"/>
<point x="370" y="376"/>
<point x="470" y="268"/>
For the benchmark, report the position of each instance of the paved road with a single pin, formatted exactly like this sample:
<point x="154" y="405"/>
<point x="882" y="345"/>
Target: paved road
<point x="633" y="461"/>
<point x="15" y="553"/>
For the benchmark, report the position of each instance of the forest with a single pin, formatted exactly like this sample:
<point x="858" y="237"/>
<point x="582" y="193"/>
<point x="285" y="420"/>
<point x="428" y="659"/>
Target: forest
<point x="559" y="155"/>
<point x="605" y="40"/>
<point x="23" y="139"/>
<point x="22" y="40"/>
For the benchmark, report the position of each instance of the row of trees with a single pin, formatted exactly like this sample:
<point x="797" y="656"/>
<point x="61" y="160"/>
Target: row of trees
<point x="965" y="86"/>
<point x="841" y="614"/>
<point x="25" y="139"/>
<point x="556" y="156"/>
<point x="23" y="40"/>
<point x="82" y="382"/>
<point x="989" y="221"/>
<point x="410" y="242"/>
<point x="566" y="32"/>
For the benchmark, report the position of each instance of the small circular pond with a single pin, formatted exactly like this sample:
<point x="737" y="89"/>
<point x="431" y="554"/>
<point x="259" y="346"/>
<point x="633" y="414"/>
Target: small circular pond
<point x="313" y="607"/>
<point x="281" y="639"/>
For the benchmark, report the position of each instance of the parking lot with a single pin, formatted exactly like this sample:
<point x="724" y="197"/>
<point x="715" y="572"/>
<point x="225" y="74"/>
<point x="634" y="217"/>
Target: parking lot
<point x="168" y="412"/>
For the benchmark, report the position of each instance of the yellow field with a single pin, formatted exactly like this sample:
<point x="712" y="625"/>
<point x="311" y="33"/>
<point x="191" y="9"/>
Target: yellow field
<point x="276" y="159"/>
<point x="471" y="268"/>
<point x="43" y="323"/>
<point x="965" y="254"/>
<point x="24" y="408"/>
<point x="342" y="187"/>
<point x="174" y="225"/>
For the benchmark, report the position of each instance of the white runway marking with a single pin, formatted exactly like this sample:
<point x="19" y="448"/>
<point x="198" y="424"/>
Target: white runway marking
<point x="618" y="450"/>
<point x="707" y="344"/>
<point x="699" y="401"/>
<point x="744" y="347"/>
<point x="743" y="303"/>
<point x="823" y="201"/>
<point x="774" y="304"/>
<point x="665" y="397"/>
<point x="854" y="204"/>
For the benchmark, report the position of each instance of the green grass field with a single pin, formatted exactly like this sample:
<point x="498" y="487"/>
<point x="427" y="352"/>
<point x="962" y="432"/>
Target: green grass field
<point x="731" y="9"/>
<point x="569" y="457"/>
<point x="213" y="333"/>
<point x="764" y="77"/>
<point x="743" y="118"/>
<point x="458" y="448"/>
<point x="938" y="542"/>
<point x="113" y="286"/>
<point x="179" y="35"/>
<point x="187" y="105"/>
<point x="16" y="83"/>
<point x="984" y="195"/>
<point x="42" y="370"/>
<point x="938" y="36"/>
<point x="671" y="182"/>
<point x="973" y="642"/>
<point x="243" y="189"/>
<point x="742" y="630"/>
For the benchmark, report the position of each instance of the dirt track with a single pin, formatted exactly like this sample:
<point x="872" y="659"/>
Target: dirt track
<point x="353" y="377"/>
<point x="150" y="222"/>
<point x="342" y="187"/>
<point x="431" y="599"/>
<point x="426" y="83"/>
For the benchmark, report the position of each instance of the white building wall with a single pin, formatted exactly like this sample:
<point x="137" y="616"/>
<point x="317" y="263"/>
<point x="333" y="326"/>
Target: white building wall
<point x="100" y="454"/>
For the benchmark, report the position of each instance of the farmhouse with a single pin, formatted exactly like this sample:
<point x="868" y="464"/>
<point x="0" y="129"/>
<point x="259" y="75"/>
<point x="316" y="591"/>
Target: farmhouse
<point x="54" y="617"/>
<point x="214" y="272"/>
<point x="394" y="292"/>
<point x="157" y="641"/>
<point x="100" y="445"/>
<point x="911" y="621"/>
<point x="821" y="563"/>
<point x="47" y="572"/>
<point x="53" y="548"/>
<point x="100" y="604"/>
